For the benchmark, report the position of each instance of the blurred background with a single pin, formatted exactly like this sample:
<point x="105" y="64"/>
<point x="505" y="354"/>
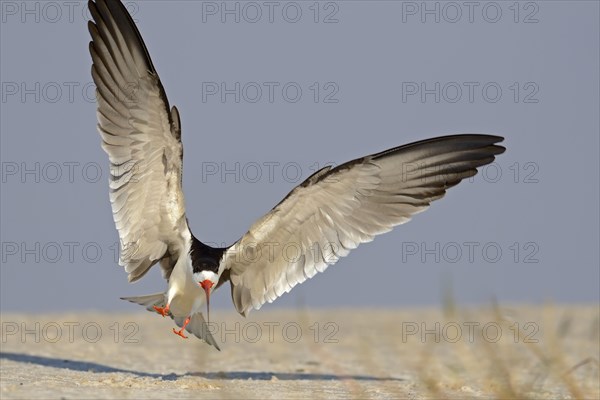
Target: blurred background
<point x="269" y="93"/>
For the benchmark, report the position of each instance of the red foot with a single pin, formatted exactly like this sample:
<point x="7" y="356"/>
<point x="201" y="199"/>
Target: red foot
<point x="164" y="311"/>
<point x="180" y="332"/>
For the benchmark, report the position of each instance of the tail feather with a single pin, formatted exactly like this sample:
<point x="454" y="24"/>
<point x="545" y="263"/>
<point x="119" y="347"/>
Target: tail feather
<point x="149" y="301"/>
<point x="199" y="328"/>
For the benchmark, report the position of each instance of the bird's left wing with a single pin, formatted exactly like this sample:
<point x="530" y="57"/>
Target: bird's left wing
<point x="335" y="210"/>
<point x="142" y="139"/>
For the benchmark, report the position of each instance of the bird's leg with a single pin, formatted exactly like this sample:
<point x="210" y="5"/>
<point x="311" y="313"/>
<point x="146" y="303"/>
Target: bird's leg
<point x="180" y="332"/>
<point x="164" y="311"/>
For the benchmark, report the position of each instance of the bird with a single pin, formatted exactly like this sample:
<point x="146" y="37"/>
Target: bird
<point x="320" y="221"/>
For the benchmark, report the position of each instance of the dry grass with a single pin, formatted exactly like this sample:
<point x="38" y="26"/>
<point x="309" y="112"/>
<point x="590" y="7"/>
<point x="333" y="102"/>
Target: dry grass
<point x="559" y="361"/>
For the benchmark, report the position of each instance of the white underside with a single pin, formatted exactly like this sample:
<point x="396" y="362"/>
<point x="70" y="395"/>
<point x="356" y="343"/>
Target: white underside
<point x="185" y="296"/>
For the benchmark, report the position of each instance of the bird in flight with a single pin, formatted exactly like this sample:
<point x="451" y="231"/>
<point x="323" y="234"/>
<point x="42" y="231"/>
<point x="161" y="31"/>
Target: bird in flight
<point x="318" y="222"/>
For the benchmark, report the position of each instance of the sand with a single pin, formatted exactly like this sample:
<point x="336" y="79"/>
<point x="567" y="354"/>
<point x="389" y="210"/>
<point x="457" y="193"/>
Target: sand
<point x="520" y="351"/>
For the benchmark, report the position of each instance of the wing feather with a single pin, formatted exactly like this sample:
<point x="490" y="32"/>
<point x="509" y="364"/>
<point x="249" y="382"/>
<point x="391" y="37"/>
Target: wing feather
<point x="335" y="210"/>
<point x="142" y="139"/>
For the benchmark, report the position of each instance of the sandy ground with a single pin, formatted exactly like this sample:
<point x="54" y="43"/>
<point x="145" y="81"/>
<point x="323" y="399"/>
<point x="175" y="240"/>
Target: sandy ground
<point x="518" y="352"/>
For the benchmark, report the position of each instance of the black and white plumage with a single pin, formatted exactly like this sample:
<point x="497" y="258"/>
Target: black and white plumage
<point x="319" y="221"/>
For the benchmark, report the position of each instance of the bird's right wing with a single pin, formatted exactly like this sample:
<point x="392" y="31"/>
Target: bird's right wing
<point x="142" y="139"/>
<point x="335" y="210"/>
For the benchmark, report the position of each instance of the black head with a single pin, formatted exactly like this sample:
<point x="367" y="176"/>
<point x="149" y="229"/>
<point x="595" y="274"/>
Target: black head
<point x="205" y="267"/>
<point x="204" y="257"/>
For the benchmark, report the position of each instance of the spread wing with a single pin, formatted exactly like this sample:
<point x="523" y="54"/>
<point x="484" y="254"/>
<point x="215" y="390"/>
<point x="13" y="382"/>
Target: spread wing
<point x="335" y="210"/>
<point x="142" y="139"/>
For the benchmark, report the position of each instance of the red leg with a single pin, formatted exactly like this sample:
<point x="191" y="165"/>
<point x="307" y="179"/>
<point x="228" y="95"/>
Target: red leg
<point x="180" y="332"/>
<point x="164" y="311"/>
